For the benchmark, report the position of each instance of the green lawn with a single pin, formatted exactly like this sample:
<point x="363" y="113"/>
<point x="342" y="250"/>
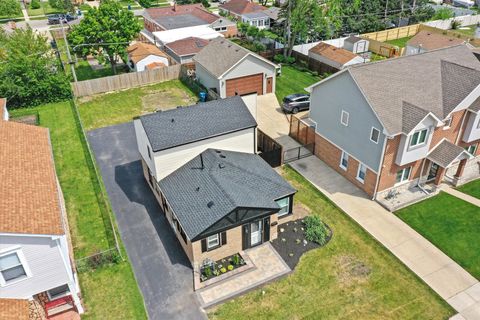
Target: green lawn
<point x="471" y="188"/>
<point x="451" y="224"/>
<point x="110" y="290"/>
<point x="353" y="277"/>
<point x="119" y="107"/>
<point x="44" y="9"/>
<point x="467" y="30"/>
<point x="293" y="80"/>
<point x="400" y="42"/>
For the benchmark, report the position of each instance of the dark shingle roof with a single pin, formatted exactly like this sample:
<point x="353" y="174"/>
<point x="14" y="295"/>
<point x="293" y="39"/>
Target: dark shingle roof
<point x="445" y="153"/>
<point x="475" y="106"/>
<point x="184" y="125"/>
<point x="411" y="116"/>
<point x="229" y="180"/>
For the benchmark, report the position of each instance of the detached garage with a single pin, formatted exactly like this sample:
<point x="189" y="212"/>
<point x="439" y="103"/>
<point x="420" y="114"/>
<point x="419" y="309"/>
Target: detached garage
<point x="230" y="70"/>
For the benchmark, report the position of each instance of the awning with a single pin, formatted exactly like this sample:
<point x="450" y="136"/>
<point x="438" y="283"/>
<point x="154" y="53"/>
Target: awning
<point x="446" y="153"/>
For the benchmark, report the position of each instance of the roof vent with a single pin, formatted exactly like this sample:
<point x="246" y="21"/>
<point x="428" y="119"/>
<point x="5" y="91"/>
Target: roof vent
<point x="197" y="189"/>
<point x="210" y="204"/>
<point x="218" y="151"/>
<point x="221" y="165"/>
<point x="222" y="156"/>
<point x="173" y="120"/>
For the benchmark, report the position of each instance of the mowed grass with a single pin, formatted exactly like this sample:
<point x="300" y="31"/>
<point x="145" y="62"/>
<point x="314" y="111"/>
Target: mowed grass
<point x="119" y="107"/>
<point x="353" y="277"/>
<point x="451" y="224"/>
<point x="467" y="30"/>
<point x="45" y="8"/>
<point x="471" y="188"/>
<point x="293" y="80"/>
<point x="400" y="42"/>
<point x="111" y="291"/>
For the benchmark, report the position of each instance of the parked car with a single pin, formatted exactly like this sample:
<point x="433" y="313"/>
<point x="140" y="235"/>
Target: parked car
<point x="56" y="18"/>
<point x="296" y="102"/>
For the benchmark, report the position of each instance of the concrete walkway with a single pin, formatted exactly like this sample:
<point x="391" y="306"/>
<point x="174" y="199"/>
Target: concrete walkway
<point x="455" y="285"/>
<point x="461" y="195"/>
<point x="268" y="266"/>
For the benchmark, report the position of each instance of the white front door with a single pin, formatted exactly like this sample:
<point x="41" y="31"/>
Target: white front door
<point x="255" y="233"/>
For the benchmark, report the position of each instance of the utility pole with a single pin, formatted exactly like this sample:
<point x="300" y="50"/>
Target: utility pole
<point x="69" y="57"/>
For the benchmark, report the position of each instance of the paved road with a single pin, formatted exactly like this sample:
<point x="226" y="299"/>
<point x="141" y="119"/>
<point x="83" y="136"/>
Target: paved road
<point x="160" y="265"/>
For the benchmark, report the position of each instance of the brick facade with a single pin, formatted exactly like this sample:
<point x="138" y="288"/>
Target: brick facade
<point x="151" y="25"/>
<point x="231" y="31"/>
<point x="331" y="155"/>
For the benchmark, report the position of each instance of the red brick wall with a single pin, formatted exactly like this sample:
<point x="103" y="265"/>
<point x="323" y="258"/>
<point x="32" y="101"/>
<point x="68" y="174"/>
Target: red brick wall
<point x="331" y="155"/>
<point x="151" y="26"/>
<point x="231" y="32"/>
<point x="450" y="134"/>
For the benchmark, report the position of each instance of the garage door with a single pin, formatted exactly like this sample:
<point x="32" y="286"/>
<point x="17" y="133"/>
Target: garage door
<point x="245" y="85"/>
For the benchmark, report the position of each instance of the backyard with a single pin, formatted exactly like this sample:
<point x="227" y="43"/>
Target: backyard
<point x="293" y="80"/>
<point x="467" y="30"/>
<point x="471" y="188"/>
<point x="400" y="42"/>
<point x="451" y="224"/>
<point x="110" y="289"/>
<point x="352" y="277"/>
<point x="119" y="107"/>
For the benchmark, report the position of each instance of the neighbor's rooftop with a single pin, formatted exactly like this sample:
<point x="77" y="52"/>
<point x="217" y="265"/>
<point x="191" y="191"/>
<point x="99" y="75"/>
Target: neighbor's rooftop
<point x="172" y="128"/>
<point x="180" y="16"/>
<point x="431" y="40"/>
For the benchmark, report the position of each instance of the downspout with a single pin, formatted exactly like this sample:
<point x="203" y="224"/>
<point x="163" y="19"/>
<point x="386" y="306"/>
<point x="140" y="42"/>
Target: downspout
<point x="382" y="159"/>
<point x="420" y="177"/>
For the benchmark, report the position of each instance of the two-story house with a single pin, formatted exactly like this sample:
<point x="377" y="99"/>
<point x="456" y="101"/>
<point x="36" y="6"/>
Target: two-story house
<point x="403" y="122"/>
<point x="37" y="271"/>
<point x="218" y="195"/>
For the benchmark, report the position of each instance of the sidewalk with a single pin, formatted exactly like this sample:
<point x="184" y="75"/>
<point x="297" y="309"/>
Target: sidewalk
<point x="451" y="282"/>
<point x="460" y="195"/>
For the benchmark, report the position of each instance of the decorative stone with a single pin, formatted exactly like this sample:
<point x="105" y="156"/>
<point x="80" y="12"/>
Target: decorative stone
<point x="304" y="242"/>
<point x="282" y="230"/>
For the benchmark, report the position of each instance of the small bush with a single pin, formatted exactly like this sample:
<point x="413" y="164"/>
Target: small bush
<point x="456" y="24"/>
<point x="315" y="230"/>
<point x="35" y="4"/>
<point x="230" y="267"/>
<point x="236" y="259"/>
<point x="290" y="60"/>
<point x="279" y="58"/>
<point x="259" y="47"/>
<point x="207" y="271"/>
<point x="223" y="270"/>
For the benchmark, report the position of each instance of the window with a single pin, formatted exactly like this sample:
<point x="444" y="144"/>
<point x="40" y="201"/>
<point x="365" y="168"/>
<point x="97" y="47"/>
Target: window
<point x="419" y="137"/>
<point x="149" y="152"/>
<point x="403" y="175"/>
<point x="284" y="205"/>
<point x="11" y="268"/>
<point x="58" y="292"/>
<point x="260" y="23"/>
<point x="344" y="118"/>
<point x="362" y="172"/>
<point x="375" y="135"/>
<point x="471" y="149"/>
<point x="344" y="161"/>
<point x="213" y="241"/>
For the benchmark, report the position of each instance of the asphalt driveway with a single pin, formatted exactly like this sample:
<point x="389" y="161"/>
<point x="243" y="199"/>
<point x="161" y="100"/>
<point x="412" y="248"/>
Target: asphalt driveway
<point x="161" y="267"/>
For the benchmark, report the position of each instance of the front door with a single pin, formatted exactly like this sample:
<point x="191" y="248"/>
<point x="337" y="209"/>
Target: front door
<point x="269" y="85"/>
<point x="255" y="233"/>
<point x="433" y="171"/>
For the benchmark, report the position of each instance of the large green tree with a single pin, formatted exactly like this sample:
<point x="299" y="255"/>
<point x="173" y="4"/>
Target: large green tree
<point x="30" y="73"/>
<point x="105" y="32"/>
<point x="10" y="8"/>
<point x="62" y="5"/>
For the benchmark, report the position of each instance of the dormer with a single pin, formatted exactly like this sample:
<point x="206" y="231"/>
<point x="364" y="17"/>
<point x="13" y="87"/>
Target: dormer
<point x="472" y="124"/>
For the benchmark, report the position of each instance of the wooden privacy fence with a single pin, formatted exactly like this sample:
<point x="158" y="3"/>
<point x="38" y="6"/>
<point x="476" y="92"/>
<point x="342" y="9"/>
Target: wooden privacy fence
<point x="125" y="81"/>
<point x="301" y="132"/>
<point x="393" y="34"/>
<point x="270" y="150"/>
<point x="384" y="49"/>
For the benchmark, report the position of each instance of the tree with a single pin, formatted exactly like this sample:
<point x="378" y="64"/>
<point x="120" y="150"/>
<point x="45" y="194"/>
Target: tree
<point x="105" y="32"/>
<point x="10" y="8"/>
<point x="30" y="73"/>
<point x="63" y="5"/>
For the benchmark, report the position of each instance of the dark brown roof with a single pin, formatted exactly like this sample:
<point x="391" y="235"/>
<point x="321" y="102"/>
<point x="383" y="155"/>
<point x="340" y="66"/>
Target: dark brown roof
<point x="333" y="53"/>
<point x="14" y="309"/>
<point x="432" y="40"/>
<point x="139" y="51"/>
<point x="445" y="153"/>
<point x="30" y="197"/>
<point x="187" y="46"/>
<point x="242" y="6"/>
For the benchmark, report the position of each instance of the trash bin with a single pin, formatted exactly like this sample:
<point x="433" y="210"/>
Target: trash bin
<point x="79" y="12"/>
<point x="129" y="7"/>
<point x="203" y="96"/>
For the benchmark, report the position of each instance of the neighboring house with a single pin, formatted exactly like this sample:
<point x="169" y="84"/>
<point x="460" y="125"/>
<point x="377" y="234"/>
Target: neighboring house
<point x="182" y="51"/>
<point x="400" y="123"/>
<point x="356" y="44"/>
<point x="337" y="58"/>
<point x="230" y="69"/>
<point x="217" y="194"/>
<point x="427" y="41"/>
<point x="37" y="271"/>
<point x="185" y="16"/>
<point x="239" y="8"/>
<point x="143" y="56"/>
<point x="274" y="14"/>
<point x="258" y="19"/>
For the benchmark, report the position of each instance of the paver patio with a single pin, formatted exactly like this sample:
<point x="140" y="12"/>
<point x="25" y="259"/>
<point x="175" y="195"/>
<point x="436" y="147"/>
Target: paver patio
<point x="268" y="266"/>
<point x="441" y="273"/>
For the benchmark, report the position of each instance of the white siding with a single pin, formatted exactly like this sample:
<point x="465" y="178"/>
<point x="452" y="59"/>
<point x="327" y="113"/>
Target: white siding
<point x="142" y="142"/>
<point x="472" y="129"/>
<point x="407" y="154"/>
<point x="44" y="259"/>
<point x="141" y="65"/>
<point x="206" y="78"/>
<point x="169" y="160"/>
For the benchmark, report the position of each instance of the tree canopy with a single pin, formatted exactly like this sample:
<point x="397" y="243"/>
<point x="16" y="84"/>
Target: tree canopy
<point x="10" y="8"/>
<point x="30" y="73"/>
<point x="105" y="32"/>
<point x="62" y="5"/>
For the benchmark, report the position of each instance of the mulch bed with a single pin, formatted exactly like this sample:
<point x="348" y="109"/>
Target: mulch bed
<point x="30" y="119"/>
<point x="291" y="243"/>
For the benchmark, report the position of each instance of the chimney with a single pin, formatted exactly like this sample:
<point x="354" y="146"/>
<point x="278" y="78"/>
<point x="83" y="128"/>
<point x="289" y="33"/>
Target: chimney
<point x="175" y="6"/>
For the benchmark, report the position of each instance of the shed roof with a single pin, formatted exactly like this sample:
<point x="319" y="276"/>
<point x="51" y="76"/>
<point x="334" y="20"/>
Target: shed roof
<point x="354" y="39"/>
<point x="175" y="127"/>
<point x="30" y="198"/>
<point x="202" y="194"/>
<point x="139" y="51"/>
<point x="333" y="53"/>
<point x="432" y="40"/>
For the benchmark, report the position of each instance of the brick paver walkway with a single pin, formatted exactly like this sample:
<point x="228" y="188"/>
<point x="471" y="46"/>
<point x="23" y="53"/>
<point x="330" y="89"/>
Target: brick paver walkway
<point x="268" y="266"/>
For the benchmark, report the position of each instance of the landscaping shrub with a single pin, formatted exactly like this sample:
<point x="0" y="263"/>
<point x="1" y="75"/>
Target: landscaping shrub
<point x="290" y="60"/>
<point x="279" y="58"/>
<point x="35" y="4"/>
<point x="230" y="267"/>
<point x="315" y="230"/>
<point x="259" y="47"/>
